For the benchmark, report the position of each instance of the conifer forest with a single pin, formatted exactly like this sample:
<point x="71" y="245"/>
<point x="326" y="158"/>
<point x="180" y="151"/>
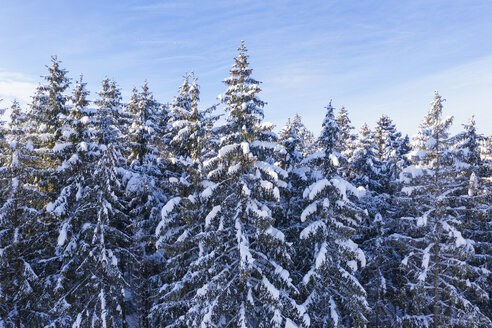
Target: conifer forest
<point x="146" y="214"/>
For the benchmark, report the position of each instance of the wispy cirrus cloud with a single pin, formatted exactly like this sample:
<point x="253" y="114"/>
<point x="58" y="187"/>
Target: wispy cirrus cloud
<point x="15" y="86"/>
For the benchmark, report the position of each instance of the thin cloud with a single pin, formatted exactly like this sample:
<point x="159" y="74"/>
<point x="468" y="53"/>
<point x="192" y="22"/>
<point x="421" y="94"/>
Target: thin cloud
<point x="15" y="86"/>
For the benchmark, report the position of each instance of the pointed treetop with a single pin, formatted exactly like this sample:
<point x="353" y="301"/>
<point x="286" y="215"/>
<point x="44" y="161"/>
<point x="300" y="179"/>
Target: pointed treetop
<point x="242" y="48"/>
<point x="364" y="130"/>
<point x="330" y="133"/>
<point x="433" y="117"/>
<point x="80" y="94"/>
<point x="110" y="94"/>
<point x="57" y="76"/>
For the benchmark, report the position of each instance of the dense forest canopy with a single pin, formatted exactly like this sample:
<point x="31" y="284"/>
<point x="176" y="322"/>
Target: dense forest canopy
<point x="144" y="214"/>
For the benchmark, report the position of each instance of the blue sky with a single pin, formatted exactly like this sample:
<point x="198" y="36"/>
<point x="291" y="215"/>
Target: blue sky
<point x="373" y="57"/>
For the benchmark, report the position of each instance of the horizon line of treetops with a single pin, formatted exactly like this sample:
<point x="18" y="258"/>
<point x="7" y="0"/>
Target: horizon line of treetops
<point x="150" y="215"/>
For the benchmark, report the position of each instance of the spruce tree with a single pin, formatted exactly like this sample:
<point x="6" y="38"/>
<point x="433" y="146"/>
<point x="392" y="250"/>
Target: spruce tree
<point x="366" y="168"/>
<point x="347" y="138"/>
<point x="243" y="258"/>
<point x="19" y="283"/>
<point x="146" y="197"/>
<point x="190" y="144"/>
<point x="43" y="154"/>
<point x="378" y="275"/>
<point x="472" y="199"/>
<point x="389" y="151"/>
<point x="333" y="296"/>
<point x="293" y="139"/>
<point x="91" y="241"/>
<point x="438" y="276"/>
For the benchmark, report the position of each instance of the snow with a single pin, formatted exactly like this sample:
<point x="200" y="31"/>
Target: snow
<point x="261" y="213"/>
<point x="85" y="120"/>
<point x="224" y="151"/>
<point x="426" y="257"/>
<point x="245" y="190"/>
<point x="310" y="209"/>
<point x="431" y="143"/>
<point x="343" y="186"/>
<point x="275" y="233"/>
<point x="290" y="324"/>
<point x="210" y="216"/>
<point x="234" y="169"/>
<point x="78" y="321"/>
<point x="326" y="203"/>
<point x="80" y="190"/>
<point x="265" y="145"/>
<point x="271" y="289"/>
<point x="422" y="220"/>
<point x="282" y="273"/>
<point x="29" y="272"/>
<point x="135" y="184"/>
<point x="202" y="291"/>
<point x="473" y="185"/>
<point x="267" y="185"/>
<point x="62" y="236"/>
<point x="334" y="160"/>
<point x="313" y="190"/>
<point x="15" y="159"/>
<point x="246" y="259"/>
<point x="208" y="191"/>
<point x="277" y="318"/>
<point x="405" y="260"/>
<point x="410" y="172"/>
<point x="361" y="257"/>
<point x="250" y="297"/>
<point x="321" y="256"/>
<point x="425" y="262"/>
<point x="454" y="233"/>
<point x="103" y="309"/>
<point x="245" y="148"/>
<point x="354" y="248"/>
<point x="59" y="147"/>
<point x="314" y="156"/>
<point x="333" y="312"/>
<point x="408" y="190"/>
<point x="312" y="228"/>
<point x="168" y="208"/>
<point x="29" y="145"/>
<point x="267" y="168"/>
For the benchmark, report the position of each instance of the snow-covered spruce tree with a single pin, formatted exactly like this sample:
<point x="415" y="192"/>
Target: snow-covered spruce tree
<point x="366" y="169"/>
<point x="376" y="277"/>
<point x="438" y="276"/>
<point x="306" y="138"/>
<point x="472" y="199"/>
<point x="390" y="150"/>
<point x="347" y="138"/>
<point x="43" y="153"/>
<point x="332" y="295"/>
<point x="91" y="239"/>
<point x="105" y="230"/>
<point x="19" y="246"/>
<point x="108" y="114"/>
<point x="292" y="139"/>
<point x="72" y="209"/>
<point x="182" y="221"/>
<point x="241" y="264"/>
<point x="146" y="198"/>
<point x="45" y="119"/>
